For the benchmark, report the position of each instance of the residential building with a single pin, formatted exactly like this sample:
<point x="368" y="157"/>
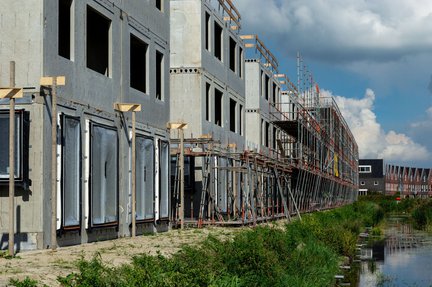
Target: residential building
<point x="408" y="181"/>
<point x="371" y="176"/>
<point x="109" y="52"/>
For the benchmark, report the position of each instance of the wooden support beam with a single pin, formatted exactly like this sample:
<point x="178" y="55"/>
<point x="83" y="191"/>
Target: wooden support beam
<point x="127" y="107"/>
<point x="130" y="107"/>
<point x="49" y="81"/>
<point x="11" y="93"/>
<point x="12" y="164"/>
<point x="177" y="126"/>
<point x="54" y="82"/>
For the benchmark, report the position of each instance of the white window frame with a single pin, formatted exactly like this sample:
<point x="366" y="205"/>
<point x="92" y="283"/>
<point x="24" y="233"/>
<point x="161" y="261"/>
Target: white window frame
<point x="367" y="169"/>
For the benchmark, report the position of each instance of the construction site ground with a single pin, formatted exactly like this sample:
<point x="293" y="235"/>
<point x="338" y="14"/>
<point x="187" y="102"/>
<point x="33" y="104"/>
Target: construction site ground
<point x="46" y="265"/>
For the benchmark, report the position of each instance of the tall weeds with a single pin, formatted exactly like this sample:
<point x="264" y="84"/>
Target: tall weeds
<point x="304" y="253"/>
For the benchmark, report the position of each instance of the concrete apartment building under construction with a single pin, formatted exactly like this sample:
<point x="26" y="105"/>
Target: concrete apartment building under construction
<point x="243" y="143"/>
<point x="299" y="154"/>
<point x="109" y="52"/>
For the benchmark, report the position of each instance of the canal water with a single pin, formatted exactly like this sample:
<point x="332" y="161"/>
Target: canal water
<point x="403" y="259"/>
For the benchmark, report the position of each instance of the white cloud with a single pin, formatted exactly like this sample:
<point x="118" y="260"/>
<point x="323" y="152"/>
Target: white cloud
<point x="343" y="30"/>
<point x="371" y="138"/>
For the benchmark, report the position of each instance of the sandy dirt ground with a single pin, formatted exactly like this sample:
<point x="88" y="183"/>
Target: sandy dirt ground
<point x="46" y="265"/>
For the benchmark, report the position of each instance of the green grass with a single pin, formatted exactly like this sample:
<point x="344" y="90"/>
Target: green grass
<point x="304" y="253"/>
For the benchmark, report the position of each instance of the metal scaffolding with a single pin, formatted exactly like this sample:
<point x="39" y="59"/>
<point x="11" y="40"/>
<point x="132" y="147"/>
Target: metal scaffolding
<point x="227" y="187"/>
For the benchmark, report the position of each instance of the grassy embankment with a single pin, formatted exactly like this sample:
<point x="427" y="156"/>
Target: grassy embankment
<point x="303" y="253"/>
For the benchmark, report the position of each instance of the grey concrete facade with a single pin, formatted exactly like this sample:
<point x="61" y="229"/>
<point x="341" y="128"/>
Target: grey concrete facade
<point x="197" y="74"/>
<point x="30" y="36"/>
<point x="262" y="95"/>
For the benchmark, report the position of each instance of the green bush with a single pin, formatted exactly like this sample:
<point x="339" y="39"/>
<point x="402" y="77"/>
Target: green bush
<point x="27" y="282"/>
<point x="422" y="215"/>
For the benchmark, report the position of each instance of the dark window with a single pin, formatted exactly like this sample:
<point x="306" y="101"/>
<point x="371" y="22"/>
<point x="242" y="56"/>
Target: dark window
<point x="159" y="4"/>
<point x="208" y="101"/>
<point x="98" y="30"/>
<point x="240" y="120"/>
<point x="70" y="171"/>
<point x="240" y="63"/>
<point x="232" y="115"/>
<point x="262" y="84"/>
<point x="218" y="45"/>
<point x="218" y="107"/>
<point x="4" y="146"/>
<point x="64" y="28"/>
<point x="144" y="178"/>
<point x="104" y="174"/>
<point x="138" y="64"/>
<point x="159" y="75"/>
<point x="267" y="135"/>
<point x="266" y="87"/>
<point x="207" y="31"/>
<point x="274" y="137"/>
<point x="274" y="92"/>
<point x="232" y="54"/>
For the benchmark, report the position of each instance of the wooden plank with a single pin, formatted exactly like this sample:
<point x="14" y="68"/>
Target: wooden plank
<point x="177" y="126"/>
<point x="127" y="107"/>
<point x="247" y="37"/>
<point x="11" y="93"/>
<point x="48" y="81"/>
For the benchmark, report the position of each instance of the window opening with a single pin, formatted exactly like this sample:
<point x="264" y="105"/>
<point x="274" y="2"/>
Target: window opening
<point x="262" y="84"/>
<point x="240" y="120"/>
<point x="267" y="135"/>
<point x="218" y="33"/>
<point x="4" y="146"/>
<point x="218" y="107"/>
<point x="164" y="178"/>
<point x="144" y="178"/>
<point x="104" y="174"/>
<point x="207" y="31"/>
<point x="240" y="62"/>
<point x="208" y="101"/>
<point x="159" y="4"/>
<point x="64" y="28"/>
<point x="71" y="170"/>
<point x="232" y="54"/>
<point x="266" y="89"/>
<point x="159" y="75"/>
<point x="232" y="115"/>
<point x="98" y="30"/>
<point x="138" y="64"/>
<point x="365" y="169"/>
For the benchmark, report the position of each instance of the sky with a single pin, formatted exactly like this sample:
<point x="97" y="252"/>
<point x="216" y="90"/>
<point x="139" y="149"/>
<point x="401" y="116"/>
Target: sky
<point x="373" y="56"/>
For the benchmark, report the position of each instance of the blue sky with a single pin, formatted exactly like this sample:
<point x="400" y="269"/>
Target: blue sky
<point x="373" y="56"/>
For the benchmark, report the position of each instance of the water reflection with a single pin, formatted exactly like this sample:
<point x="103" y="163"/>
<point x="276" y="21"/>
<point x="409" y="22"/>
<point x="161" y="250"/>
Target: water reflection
<point x="403" y="259"/>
